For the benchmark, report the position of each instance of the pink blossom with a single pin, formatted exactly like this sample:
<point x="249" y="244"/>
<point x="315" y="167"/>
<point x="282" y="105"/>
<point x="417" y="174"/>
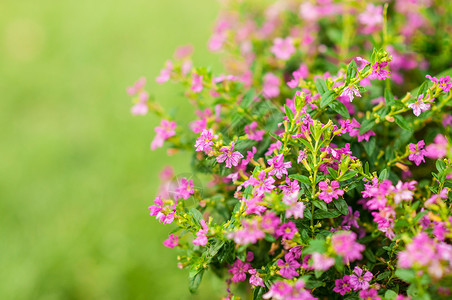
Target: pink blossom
<point x="342" y="286"/>
<point x="287" y="230"/>
<point x="270" y="222"/>
<point x="289" y="266"/>
<point x="301" y="73"/>
<point x="165" y="73"/>
<point x="261" y="184"/>
<point x="196" y="84"/>
<point x="378" y="71"/>
<point x="351" y="92"/>
<point x="204" y="142"/>
<point x="255" y="279"/>
<point x="274" y="146"/>
<point x="358" y="281"/>
<point x="371" y="294"/>
<point x="254" y="134"/>
<point x="141" y="108"/>
<point x="185" y="189"/>
<point x="270" y="87"/>
<point x="278" y="290"/>
<point x="419" y="106"/>
<point x="232" y="158"/>
<point x="165" y="214"/>
<point x="445" y="83"/>
<point x="344" y="244"/>
<point x="351" y="218"/>
<point x="417" y="153"/>
<point x="371" y="18"/>
<point x="403" y="191"/>
<point x="321" y="262"/>
<point x="330" y="191"/>
<point x="353" y="130"/>
<point x="238" y="270"/>
<point x="279" y="166"/>
<point x="438" y="149"/>
<point x="172" y="241"/>
<point x="201" y="235"/>
<point x="183" y="51"/>
<point x="283" y="48"/>
<point x="301" y="156"/>
<point x="137" y="86"/>
<point x="250" y="233"/>
<point x="198" y="126"/>
<point x="164" y="132"/>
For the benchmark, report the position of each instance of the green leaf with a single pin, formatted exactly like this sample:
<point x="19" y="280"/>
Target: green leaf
<point x="327" y="98"/>
<point x="301" y="178"/>
<point x="341" y="205"/>
<point x="332" y="172"/>
<point x="317" y="245"/>
<point x="370" y="146"/>
<point x="194" y="281"/>
<point x="440" y="165"/>
<point x="389" y="98"/>
<point x="258" y="292"/>
<point x="350" y="174"/>
<point x="321" y="86"/>
<point x="406" y="275"/>
<point x="321" y="214"/>
<point x="351" y="72"/>
<point x="289" y="113"/>
<point x="383" y="175"/>
<point x="402" y="122"/>
<point x="422" y="89"/>
<point x="196" y="214"/>
<point x="340" y="108"/>
<point x="366" y="125"/>
<point x="390" y="295"/>
<point x="320" y="204"/>
<point x="384" y="275"/>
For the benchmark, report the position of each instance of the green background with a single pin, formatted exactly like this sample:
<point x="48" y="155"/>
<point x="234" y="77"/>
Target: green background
<point x="76" y="171"/>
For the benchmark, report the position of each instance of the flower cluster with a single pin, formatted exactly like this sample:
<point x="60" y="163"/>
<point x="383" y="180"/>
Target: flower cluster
<point x="328" y="148"/>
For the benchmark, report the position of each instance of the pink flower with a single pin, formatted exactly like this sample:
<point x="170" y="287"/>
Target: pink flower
<point x="232" y="158"/>
<point x="254" y="134"/>
<point x="196" y="84"/>
<point x="165" y="214"/>
<point x="419" y="106"/>
<point x="201" y="238"/>
<point x="379" y="72"/>
<point x="342" y="286"/>
<point x="141" y="108"/>
<point x="172" y="241"/>
<point x="204" y="142"/>
<point x="438" y="149"/>
<point x="279" y="290"/>
<point x="351" y="92"/>
<point x="403" y="191"/>
<point x="445" y="83"/>
<point x="283" y="48"/>
<point x="238" y="270"/>
<point x="330" y="191"/>
<point x="279" y="166"/>
<point x="250" y="233"/>
<point x="289" y="266"/>
<point x="270" y="87"/>
<point x="321" y="262"/>
<point x="185" y="189"/>
<point x="164" y="132"/>
<point x="301" y="73"/>
<point x="417" y="153"/>
<point x="371" y="18"/>
<point x="358" y="281"/>
<point x="255" y="279"/>
<point x="353" y="130"/>
<point x="287" y="230"/>
<point x="183" y="51"/>
<point x="165" y="74"/>
<point x="301" y="156"/>
<point x="137" y="87"/>
<point x="344" y="244"/>
<point x="270" y="222"/>
<point x="371" y="294"/>
<point x="261" y="185"/>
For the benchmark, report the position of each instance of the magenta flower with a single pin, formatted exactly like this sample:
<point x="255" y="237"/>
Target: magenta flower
<point x="445" y="83"/>
<point x="378" y="71"/>
<point x="255" y="279"/>
<point x="165" y="214"/>
<point x="358" y="281"/>
<point x="136" y="87"/>
<point x="371" y="294"/>
<point x="141" y="107"/>
<point x="419" y="106"/>
<point x="351" y="92"/>
<point x="289" y="266"/>
<point x="283" y="48"/>
<point x="330" y="191"/>
<point x="196" y="83"/>
<point x="403" y="191"/>
<point x="270" y="87"/>
<point x="279" y="166"/>
<point x="238" y="270"/>
<point x="287" y="230"/>
<point x="250" y="233"/>
<point x="279" y="290"/>
<point x="201" y="235"/>
<point x="232" y="158"/>
<point x="438" y="149"/>
<point x="172" y="241"/>
<point x="261" y="185"/>
<point x="321" y="262"/>
<point x="185" y="189"/>
<point x="164" y="132"/>
<point x="371" y="18"/>
<point x="301" y="156"/>
<point x="252" y="133"/>
<point x="417" y="153"/>
<point x="204" y="142"/>
<point x="353" y="129"/>
<point x="183" y="52"/>
<point x="165" y="74"/>
<point x="344" y="244"/>
<point x="351" y="219"/>
<point x="301" y="73"/>
<point x="342" y="286"/>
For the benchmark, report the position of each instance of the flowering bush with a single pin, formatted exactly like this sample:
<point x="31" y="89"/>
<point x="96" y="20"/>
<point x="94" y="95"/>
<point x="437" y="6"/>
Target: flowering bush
<point x="328" y="147"/>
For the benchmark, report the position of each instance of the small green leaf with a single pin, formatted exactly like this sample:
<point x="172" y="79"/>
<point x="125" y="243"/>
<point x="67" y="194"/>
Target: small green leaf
<point x="340" y="108"/>
<point x="389" y="98"/>
<point x="366" y="125"/>
<point x="390" y="295"/>
<point x="422" y="89"/>
<point x="402" y="122"/>
<point x="383" y="175"/>
<point x="321" y="86"/>
<point x="196" y="214"/>
<point x="351" y="72"/>
<point x="405" y="274"/>
<point x="341" y="205"/>
<point x="327" y="98"/>
<point x="289" y="112"/>
<point x="440" y="165"/>
<point x="320" y="204"/>
<point x="300" y="178"/>
<point x="194" y="281"/>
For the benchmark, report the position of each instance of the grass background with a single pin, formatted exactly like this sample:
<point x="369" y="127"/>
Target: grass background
<point x="76" y="171"/>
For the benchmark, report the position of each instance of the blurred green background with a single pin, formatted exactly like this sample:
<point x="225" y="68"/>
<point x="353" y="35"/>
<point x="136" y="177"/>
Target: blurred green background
<point x="77" y="174"/>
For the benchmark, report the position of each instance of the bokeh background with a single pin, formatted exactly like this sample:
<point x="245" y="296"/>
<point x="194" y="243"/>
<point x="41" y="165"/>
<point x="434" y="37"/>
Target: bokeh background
<point x="76" y="171"/>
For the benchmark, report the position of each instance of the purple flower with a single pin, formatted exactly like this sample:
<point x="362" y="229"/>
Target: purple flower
<point x="289" y="266"/>
<point x="371" y="294"/>
<point x="438" y="149"/>
<point x="261" y="184"/>
<point x="201" y="235"/>
<point x="419" y="106"/>
<point x="204" y="142"/>
<point x="358" y="281"/>
<point x="254" y="134"/>
<point x="232" y="158"/>
<point x="279" y="290"/>
<point x="238" y="270"/>
<point x="353" y="130"/>
<point x="250" y="233"/>
<point x="185" y="189"/>
<point x="351" y="92"/>
<point x="344" y="244"/>
<point x="255" y="279"/>
<point x="165" y="214"/>
<point x="196" y="84"/>
<point x="164" y="132"/>
<point x="270" y="222"/>
<point x="351" y="218"/>
<point x="417" y="153"/>
<point x="287" y="230"/>
<point x="342" y="286"/>
<point x="445" y="83"/>
<point x="172" y="241"/>
<point x="301" y="156"/>
<point x="141" y="108"/>
<point x="270" y="87"/>
<point x="301" y="73"/>
<point x="321" y="261"/>
<point x="329" y="191"/>
<point x="283" y="48"/>
<point x="279" y="166"/>
<point x="165" y="74"/>
<point x="379" y="72"/>
<point x="403" y="191"/>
